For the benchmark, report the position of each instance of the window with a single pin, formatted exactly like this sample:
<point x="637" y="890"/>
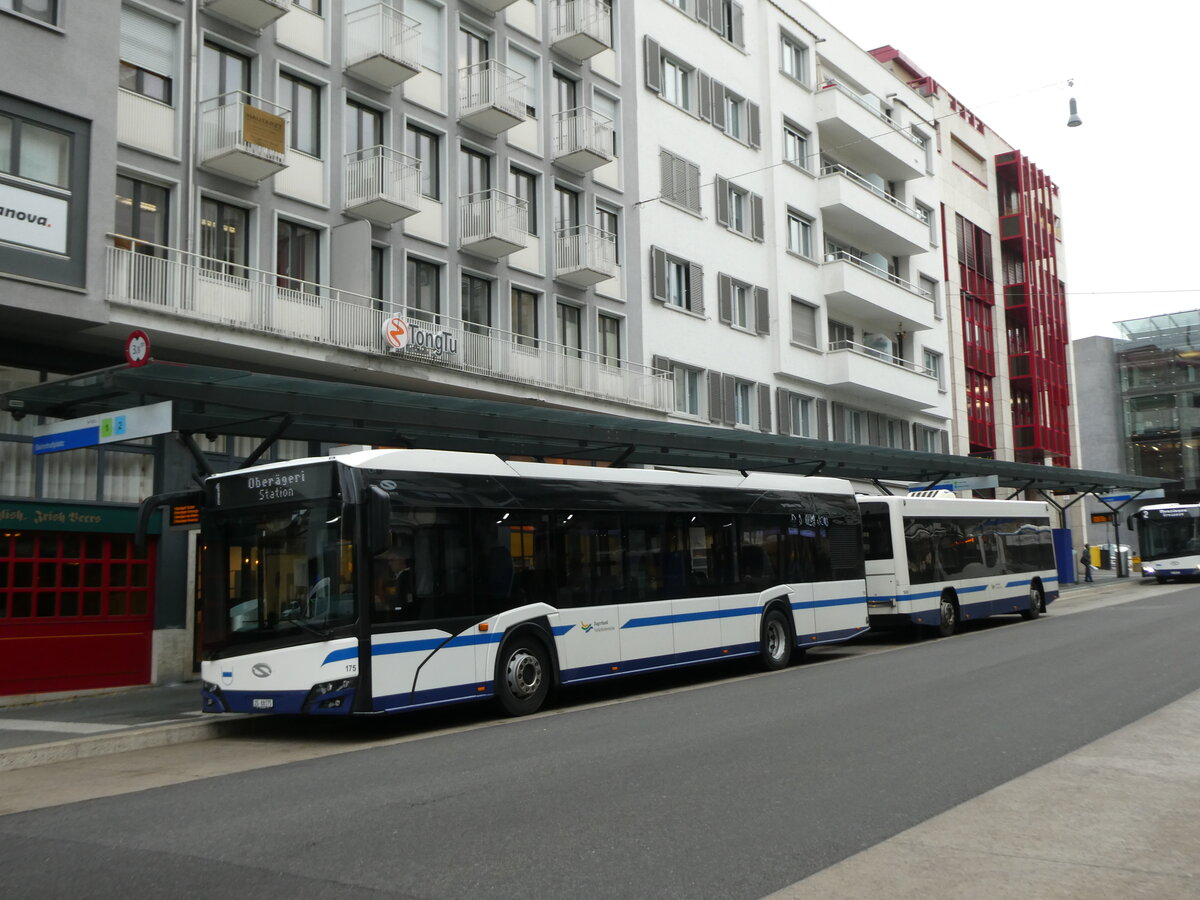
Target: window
<point x="804" y="323"/>
<point x="141" y="215"/>
<point x="570" y="335"/>
<point x="42" y="10"/>
<point x="735" y="113"/>
<point x="566" y="208"/>
<point x="422" y="290"/>
<point x="524" y="318"/>
<point x="608" y="221"/>
<point x="425" y="145"/>
<point x="528" y="66"/>
<point x="676" y="83"/>
<point x="304" y="100"/>
<point x="929" y="288"/>
<point x="737" y="209"/>
<point x="224" y="237"/>
<point x="472" y="48"/>
<point x="379" y="273"/>
<point x="799" y="234"/>
<point x="474" y="172"/>
<point x="743" y="403"/>
<point x="930" y="219"/>
<point x="144" y="82"/>
<point x="855" y="431"/>
<point x="429" y="15"/>
<point x="476" y="297"/>
<point x="609" y="340"/>
<point x="800" y="410"/>
<point x="727" y="20"/>
<point x="297" y="257"/>
<point x="676" y="281"/>
<point x="687" y="390"/>
<point x="793" y="58"/>
<point x="223" y="71"/>
<point x="680" y="182"/>
<point x="841" y="335"/>
<point x="739" y="295"/>
<point x="363" y="127"/>
<point x="312" y="6"/>
<point x="34" y="152"/>
<point x="607" y="106"/>
<point x="933" y="365"/>
<point x="525" y="188"/>
<point x="795" y="146"/>
<point x="678" y="284"/>
<point x="566" y="93"/>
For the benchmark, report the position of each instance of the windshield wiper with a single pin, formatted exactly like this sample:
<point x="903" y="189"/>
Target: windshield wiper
<point x="310" y="628"/>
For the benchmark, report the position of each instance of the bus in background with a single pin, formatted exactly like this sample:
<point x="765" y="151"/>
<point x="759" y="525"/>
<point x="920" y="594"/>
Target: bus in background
<point x="935" y="560"/>
<point x="1169" y="540"/>
<point x="388" y="580"/>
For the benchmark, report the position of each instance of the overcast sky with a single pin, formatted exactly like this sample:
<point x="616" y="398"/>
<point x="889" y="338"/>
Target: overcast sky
<point x="1128" y="176"/>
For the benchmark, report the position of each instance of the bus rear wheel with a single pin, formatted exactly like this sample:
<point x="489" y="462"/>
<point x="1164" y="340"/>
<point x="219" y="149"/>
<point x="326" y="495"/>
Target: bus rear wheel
<point x="775" y="646"/>
<point x="1036" y="604"/>
<point x="522" y="676"/>
<point x="948" y="615"/>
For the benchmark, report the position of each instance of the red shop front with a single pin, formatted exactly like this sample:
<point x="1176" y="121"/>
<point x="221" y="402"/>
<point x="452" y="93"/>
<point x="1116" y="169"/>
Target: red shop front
<point x="76" y="598"/>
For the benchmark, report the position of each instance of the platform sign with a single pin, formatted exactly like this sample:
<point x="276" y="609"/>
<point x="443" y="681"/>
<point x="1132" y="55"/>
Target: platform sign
<point x="1156" y="494"/>
<point x="106" y="428"/>
<point x="978" y="483"/>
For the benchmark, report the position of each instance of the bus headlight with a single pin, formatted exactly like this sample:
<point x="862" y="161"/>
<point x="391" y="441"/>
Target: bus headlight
<point x="1147" y="570"/>
<point x="331" y="696"/>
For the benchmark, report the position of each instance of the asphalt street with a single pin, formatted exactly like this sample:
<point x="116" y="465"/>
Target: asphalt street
<point x="734" y="788"/>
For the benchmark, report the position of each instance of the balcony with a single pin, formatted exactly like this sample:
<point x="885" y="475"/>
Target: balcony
<point x="492" y="223"/>
<point x="580" y="29"/>
<point x="872" y="375"/>
<point x="865" y="135"/>
<point x="242" y="136"/>
<point x="492" y="6"/>
<point x="874" y="297"/>
<point x="852" y="205"/>
<point x="583" y="140"/>
<point x="584" y="255"/>
<point x="382" y="185"/>
<point x="146" y="123"/>
<point x="491" y="97"/>
<point x="383" y="46"/>
<point x="254" y="15"/>
<point x="194" y="291"/>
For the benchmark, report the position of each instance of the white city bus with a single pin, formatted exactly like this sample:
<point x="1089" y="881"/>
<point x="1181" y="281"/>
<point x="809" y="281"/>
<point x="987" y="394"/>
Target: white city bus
<point x="1169" y="540"/>
<point x="387" y="580"/>
<point x="937" y="560"/>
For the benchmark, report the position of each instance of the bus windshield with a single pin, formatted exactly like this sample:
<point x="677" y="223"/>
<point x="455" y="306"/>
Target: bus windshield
<point x="1173" y="532"/>
<point x="284" y="575"/>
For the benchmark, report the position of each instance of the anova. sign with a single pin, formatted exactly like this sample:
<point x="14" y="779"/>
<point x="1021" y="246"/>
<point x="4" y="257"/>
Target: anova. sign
<point x="401" y="335"/>
<point x="32" y="219"/>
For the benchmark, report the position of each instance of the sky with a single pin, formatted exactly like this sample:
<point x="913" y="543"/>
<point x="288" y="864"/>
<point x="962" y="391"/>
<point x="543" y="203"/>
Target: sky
<point x="1128" y="178"/>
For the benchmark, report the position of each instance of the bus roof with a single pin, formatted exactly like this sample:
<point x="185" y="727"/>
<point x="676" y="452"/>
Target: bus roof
<point x="960" y="506"/>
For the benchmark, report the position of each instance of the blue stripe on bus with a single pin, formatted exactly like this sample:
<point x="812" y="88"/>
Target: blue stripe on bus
<point x="671" y="619"/>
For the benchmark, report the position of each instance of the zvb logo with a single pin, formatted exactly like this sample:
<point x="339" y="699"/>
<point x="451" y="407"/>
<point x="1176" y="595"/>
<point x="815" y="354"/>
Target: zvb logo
<point x="260" y="670"/>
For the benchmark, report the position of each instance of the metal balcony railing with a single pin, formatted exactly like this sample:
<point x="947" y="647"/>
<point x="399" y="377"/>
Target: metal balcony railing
<point x="223" y="127"/>
<point x="836" y="169"/>
<point x="881" y="356"/>
<point x="845" y="256"/>
<point x="381" y="173"/>
<point x="241" y="298"/>
<point x="582" y="129"/>
<point x="382" y="30"/>
<point x="588" y="17"/>
<point x="834" y="84"/>
<point x="493" y="214"/>
<point x="491" y="85"/>
<point x="585" y="247"/>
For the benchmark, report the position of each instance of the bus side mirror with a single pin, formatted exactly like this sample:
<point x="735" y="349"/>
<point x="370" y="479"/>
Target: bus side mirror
<point x="1129" y="522"/>
<point x="379" y="514"/>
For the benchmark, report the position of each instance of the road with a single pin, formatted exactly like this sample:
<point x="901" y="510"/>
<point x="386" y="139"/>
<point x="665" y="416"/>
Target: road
<point x="736" y="786"/>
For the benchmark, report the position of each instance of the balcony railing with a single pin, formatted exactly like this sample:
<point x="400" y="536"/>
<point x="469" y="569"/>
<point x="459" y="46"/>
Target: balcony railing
<point x="382" y="185"/>
<point x="836" y="169"/>
<point x="583" y="139"/>
<point x="584" y="255"/>
<point x="581" y="28"/>
<point x="252" y="14"/>
<point x="383" y="46"/>
<point x="844" y="256"/>
<point x="238" y="297"/>
<point x="243" y="136"/>
<point x="888" y="358"/>
<point x="492" y="223"/>
<point x="491" y="96"/>
<point x="833" y="84"/>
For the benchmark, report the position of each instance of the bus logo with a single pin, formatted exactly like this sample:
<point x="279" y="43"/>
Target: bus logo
<point x="260" y="670"/>
<point x="395" y="332"/>
<point x="585" y="626"/>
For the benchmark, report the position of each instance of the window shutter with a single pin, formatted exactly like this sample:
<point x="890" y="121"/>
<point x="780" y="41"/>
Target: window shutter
<point x="755" y="120"/>
<point x="691" y="175"/>
<point x="653" y="65"/>
<point x="716" y="17"/>
<point x="839" y="422"/>
<point x="757" y="226"/>
<point x="905" y="440"/>
<point x="147" y="42"/>
<point x="822" y="420"/>
<point x="705" y="82"/>
<point x="874" y="430"/>
<point x="666" y="167"/>
<point x="658" y="274"/>
<point x="764" y="407"/>
<point x="783" y="410"/>
<point x="718" y="104"/>
<point x="722" y="187"/>
<point x="945" y="441"/>
<point x="738" y="35"/>
<point x="729" y="385"/>
<point x="702" y="11"/>
<point x="724" y="301"/>
<point x="762" y="310"/>
<point x="716" y="398"/>
<point x="696" y="286"/>
<point x="660" y="364"/>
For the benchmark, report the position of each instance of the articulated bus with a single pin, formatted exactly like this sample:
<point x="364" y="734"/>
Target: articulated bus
<point x="934" y="560"/>
<point x="1169" y="540"/>
<point x="388" y="580"/>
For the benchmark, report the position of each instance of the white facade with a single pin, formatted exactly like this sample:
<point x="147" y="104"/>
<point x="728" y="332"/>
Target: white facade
<point x="785" y="253"/>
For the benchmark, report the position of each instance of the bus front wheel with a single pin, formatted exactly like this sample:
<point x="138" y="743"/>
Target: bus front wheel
<point x="522" y="676"/>
<point x="948" y="616"/>
<point x="775" y="648"/>
<point x="1036" y="604"/>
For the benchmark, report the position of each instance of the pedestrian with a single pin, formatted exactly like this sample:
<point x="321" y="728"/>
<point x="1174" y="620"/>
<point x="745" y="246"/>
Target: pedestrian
<point x="1086" y="559"/>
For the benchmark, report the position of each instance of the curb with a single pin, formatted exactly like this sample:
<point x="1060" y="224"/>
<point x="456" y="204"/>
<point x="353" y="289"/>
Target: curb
<point x="120" y="742"/>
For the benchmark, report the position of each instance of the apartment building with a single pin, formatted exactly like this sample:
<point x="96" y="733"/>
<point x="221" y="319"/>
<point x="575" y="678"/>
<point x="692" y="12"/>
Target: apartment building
<point x="263" y="184"/>
<point x="1005" y="293"/>
<point x="793" y="279"/>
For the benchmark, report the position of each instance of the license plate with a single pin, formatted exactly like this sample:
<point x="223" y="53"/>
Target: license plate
<point x="260" y="703"/>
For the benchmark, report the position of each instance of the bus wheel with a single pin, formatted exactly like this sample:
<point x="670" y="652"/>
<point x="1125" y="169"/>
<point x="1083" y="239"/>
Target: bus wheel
<point x="948" y="612"/>
<point x="775" y="648"/>
<point x="522" y="676"/>
<point x="1036" y="604"/>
